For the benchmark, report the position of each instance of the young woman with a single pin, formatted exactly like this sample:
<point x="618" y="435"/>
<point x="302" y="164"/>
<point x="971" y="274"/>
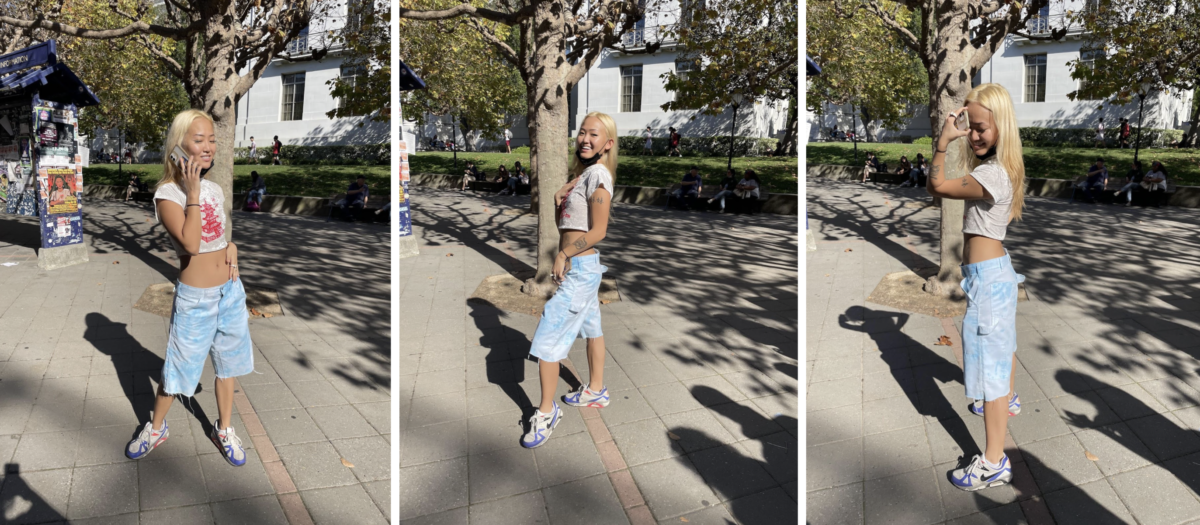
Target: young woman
<point x="1132" y="179"/>
<point x="1155" y="182"/>
<point x="584" y="205"/>
<point x="725" y="189"/>
<point x="744" y="193"/>
<point x="258" y="188"/>
<point x="994" y="191"/>
<point x="209" y="316"/>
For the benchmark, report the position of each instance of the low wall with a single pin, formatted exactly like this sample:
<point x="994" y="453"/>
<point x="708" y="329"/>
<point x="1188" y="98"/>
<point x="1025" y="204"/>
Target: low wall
<point x="778" y="203"/>
<point x="1184" y="196"/>
<point x="289" y="204"/>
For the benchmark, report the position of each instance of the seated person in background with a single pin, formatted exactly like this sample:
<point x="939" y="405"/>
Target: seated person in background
<point x="1097" y="178"/>
<point x="356" y="198"/>
<point x="689" y="189"/>
<point x="258" y="188"/>
<point x="1156" y="183"/>
<point x="745" y="193"/>
<point x="914" y="174"/>
<point x="725" y="189"/>
<point x="523" y="181"/>
<point x="873" y="165"/>
<point x="905" y="166"/>
<point x="502" y="176"/>
<point x="1132" y="179"/>
<point x="469" y="175"/>
<point x="135" y="184"/>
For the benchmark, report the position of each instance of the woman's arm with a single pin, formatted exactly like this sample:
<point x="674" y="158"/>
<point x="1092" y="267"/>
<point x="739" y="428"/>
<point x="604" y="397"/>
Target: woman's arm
<point x="183" y="223"/>
<point x="599" y="206"/>
<point x="966" y="188"/>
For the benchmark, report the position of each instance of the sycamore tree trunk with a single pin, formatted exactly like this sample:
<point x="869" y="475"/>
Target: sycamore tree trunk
<point x="870" y="130"/>
<point x="787" y="145"/>
<point x="548" y="88"/>
<point x="218" y="96"/>
<point x="1189" y="138"/>
<point x="947" y="92"/>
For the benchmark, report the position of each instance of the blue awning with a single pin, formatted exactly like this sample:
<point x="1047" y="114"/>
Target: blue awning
<point x="36" y="68"/>
<point x="408" y="79"/>
<point x="813" y="68"/>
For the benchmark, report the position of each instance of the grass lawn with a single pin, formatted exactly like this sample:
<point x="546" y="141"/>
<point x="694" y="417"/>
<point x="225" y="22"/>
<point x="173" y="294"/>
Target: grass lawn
<point x="304" y="181"/>
<point x="1042" y="163"/>
<point x="778" y="174"/>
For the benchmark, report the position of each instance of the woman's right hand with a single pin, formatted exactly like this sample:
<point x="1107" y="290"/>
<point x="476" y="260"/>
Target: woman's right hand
<point x="190" y="179"/>
<point x="951" y="131"/>
<point x="562" y="193"/>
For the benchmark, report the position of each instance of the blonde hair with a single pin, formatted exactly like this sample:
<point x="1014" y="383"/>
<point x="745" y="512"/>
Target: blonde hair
<point x="609" y="158"/>
<point x="1008" y="141"/>
<point x="175" y="135"/>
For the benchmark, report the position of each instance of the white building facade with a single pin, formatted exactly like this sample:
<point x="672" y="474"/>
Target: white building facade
<point x="292" y="97"/>
<point x="1038" y="76"/>
<point x="630" y="87"/>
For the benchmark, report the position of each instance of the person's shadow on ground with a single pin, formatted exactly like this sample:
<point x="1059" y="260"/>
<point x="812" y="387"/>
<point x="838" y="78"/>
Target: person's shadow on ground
<point x="19" y="503"/>
<point x="507" y="351"/>
<point x="903" y="354"/>
<point x="138" y="369"/>
<point x="734" y="475"/>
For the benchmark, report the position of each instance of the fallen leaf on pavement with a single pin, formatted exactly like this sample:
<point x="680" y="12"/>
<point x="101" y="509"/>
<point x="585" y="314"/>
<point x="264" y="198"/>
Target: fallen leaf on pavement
<point x="685" y="520"/>
<point x="943" y="341"/>
<point x="347" y="463"/>
<point x="116" y="262"/>
<point x="1090" y="456"/>
<point x="255" y="312"/>
<point x="672" y="435"/>
<point x="849" y="250"/>
<point x="449" y="255"/>
<point x="605" y="301"/>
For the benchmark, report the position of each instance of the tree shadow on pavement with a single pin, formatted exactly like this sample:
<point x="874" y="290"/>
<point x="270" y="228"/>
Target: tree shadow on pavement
<point x="138" y="369"/>
<point x="737" y="478"/>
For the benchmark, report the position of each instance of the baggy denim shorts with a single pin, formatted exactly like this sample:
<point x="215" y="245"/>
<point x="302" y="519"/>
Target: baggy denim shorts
<point x="207" y="322"/>
<point x="989" y="329"/>
<point x="574" y="311"/>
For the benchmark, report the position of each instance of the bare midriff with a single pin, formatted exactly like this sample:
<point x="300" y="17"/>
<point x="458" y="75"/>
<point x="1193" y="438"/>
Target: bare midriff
<point x="566" y="240"/>
<point x="206" y="270"/>
<point x="979" y="248"/>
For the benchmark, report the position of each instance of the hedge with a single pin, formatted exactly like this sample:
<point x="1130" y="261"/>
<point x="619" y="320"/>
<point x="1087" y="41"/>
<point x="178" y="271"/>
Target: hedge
<point x="1084" y="137"/>
<point x="348" y="155"/>
<point x="702" y="146"/>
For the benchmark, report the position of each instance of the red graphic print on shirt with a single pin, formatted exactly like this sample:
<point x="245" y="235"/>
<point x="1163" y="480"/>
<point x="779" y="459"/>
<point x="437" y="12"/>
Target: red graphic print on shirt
<point x="212" y="228"/>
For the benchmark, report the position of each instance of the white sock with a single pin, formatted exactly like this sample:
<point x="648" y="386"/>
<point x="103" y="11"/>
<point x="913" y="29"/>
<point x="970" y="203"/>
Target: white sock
<point x="993" y="466"/>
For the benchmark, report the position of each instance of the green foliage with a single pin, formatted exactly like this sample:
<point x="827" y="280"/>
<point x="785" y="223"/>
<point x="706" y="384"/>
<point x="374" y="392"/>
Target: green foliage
<point x="466" y="79"/>
<point x="701" y="146"/>
<point x="1083" y="137"/>
<point x="928" y="141"/>
<point x="778" y="174"/>
<point x="369" y="48"/>
<point x="877" y="73"/>
<point x="345" y="155"/>
<point x="1040" y="162"/>
<point x="746" y="48"/>
<point x="306" y="181"/>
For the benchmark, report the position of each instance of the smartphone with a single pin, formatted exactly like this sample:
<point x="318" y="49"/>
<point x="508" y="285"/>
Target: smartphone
<point x="961" y="122"/>
<point x="178" y="154"/>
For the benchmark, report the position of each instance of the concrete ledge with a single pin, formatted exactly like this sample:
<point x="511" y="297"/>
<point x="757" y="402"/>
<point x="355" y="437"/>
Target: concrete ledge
<point x="289" y="204"/>
<point x="777" y="203"/>
<point x="837" y="172"/>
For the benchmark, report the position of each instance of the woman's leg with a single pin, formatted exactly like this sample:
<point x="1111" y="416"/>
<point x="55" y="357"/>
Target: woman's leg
<point x="162" y="404"/>
<point x="595" y="357"/>
<point x="548" y="372"/>
<point x="224" y="391"/>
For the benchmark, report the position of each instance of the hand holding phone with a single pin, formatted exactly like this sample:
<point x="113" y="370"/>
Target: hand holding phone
<point x="961" y="121"/>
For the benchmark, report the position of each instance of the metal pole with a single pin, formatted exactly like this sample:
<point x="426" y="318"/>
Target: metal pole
<point x="1138" y="145"/>
<point x="732" y="131"/>
<point x="120" y="152"/>
<point x="854" y="128"/>
<point x="454" y="139"/>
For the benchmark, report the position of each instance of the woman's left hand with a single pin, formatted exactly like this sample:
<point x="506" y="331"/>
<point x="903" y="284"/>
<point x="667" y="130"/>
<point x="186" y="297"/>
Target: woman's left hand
<point x="231" y="260"/>
<point x="562" y="265"/>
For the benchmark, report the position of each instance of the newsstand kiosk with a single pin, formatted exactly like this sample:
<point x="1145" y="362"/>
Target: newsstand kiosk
<point x="41" y="170"/>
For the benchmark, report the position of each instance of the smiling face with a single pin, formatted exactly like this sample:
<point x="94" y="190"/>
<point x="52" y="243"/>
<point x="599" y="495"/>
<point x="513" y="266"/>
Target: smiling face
<point x="592" y="139"/>
<point x="200" y="142"/>
<point x="982" y="133"/>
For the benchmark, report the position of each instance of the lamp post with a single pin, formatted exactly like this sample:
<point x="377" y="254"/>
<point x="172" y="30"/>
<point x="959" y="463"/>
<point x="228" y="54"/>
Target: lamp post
<point x="738" y="99"/>
<point x="1143" y="90"/>
<point x="854" y="129"/>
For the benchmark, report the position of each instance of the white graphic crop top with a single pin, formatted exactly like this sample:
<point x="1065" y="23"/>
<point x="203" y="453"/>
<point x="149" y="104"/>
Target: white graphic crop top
<point x="574" y="213"/>
<point x="990" y="217"/>
<point x="212" y="214"/>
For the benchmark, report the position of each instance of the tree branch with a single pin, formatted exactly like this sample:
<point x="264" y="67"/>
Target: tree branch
<point x="501" y="47"/>
<point x="910" y="40"/>
<point x="174" y="33"/>
<point x="511" y="19"/>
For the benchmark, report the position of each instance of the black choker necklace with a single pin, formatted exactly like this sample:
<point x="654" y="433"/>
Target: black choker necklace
<point x="586" y="161"/>
<point x="991" y="152"/>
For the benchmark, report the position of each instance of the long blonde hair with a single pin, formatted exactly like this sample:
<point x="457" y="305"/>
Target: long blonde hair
<point x="175" y="135"/>
<point x="609" y="158"/>
<point x="1008" y="141"/>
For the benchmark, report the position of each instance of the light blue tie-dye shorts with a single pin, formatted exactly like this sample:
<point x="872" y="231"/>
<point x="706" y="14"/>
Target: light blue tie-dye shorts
<point x="574" y="311"/>
<point x="204" y="322"/>
<point x="990" y="327"/>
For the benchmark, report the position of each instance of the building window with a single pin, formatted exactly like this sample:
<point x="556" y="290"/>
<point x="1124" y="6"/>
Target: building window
<point x="631" y="89"/>
<point x="1035" y="78"/>
<point x="358" y="14"/>
<point x="1087" y="59"/>
<point x="293" y="97"/>
<point x="692" y="10"/>
<point x="350" y="77"/>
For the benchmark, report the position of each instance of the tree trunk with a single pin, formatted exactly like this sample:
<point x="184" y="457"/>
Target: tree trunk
<point x="944" y="99"/>
<point x="866" y="118"/>
<point x="547" y="92"/>
<point x="787" y="145"/>
<point x="1189" y="138"/>
<point x="217" y="97"/>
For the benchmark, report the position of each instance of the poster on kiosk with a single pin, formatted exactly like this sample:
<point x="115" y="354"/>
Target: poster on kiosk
<point x="41" y="168"/>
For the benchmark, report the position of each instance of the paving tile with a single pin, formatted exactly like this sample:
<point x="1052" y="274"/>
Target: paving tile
<point x="249" y="511"/>
<point x="1153" y="495"/>
<point x="836" y="506"/>
<point x="371" y="456"/>
<point x="647" y="441"/>
<point x="1090" y="503"/>
<point x="697" y="430"/>
<point x="1038" y="420"/>
<point x="626" y="407"/>
<point x="226" y="482"/>
<point x="341" y="422"/>
<point x="502" y="473"/>
<point x="316" y="393"/>
<point x="886" y="415"/>
<point x="1131" y="401"/>
<point x="763" y="507"/>
<point x="744" y="420"/>
<point x="833" y="394"/>
<point x="315" y="465"/>
<point x="291" y="426"/>
<point x="436" y="443"/>
<point x="1165" y="435"/>
<point x="568" y="458"/>
<point x="834" y="464"/>
<point x="1117" y="448"/>
<point x="1011" y="514"/>
<point x="732" y="471"/>
<point x="46" y="451"/>
<point x="1172" y="392"/>
<point x="378" y="414"/>
<point x="433" y="487"/>
<point x="673" y="487"/>
<point x="51" y="489"/>
<point x="342" y="505"/>
<point x="381" y="494"/>
<point x="589" y="500"/>
<point x="889" y="500"/>
<point x="1084" y="410"/>
<point x="170" y="482"/>
<point x="191" y="515"/>
<point x="1058" y="463"/>
<point x="269" y="397"/>
<point x="895" y="452"/>
<point x="431" y="410"/>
